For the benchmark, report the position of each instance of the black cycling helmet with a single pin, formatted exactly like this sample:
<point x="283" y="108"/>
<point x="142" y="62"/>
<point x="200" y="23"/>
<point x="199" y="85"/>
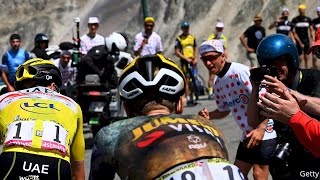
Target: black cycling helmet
<point x="42" y="71"/>
<point x="275" y="46"/>
<point x="152" y="77"/>
<point x="41" y="37"/>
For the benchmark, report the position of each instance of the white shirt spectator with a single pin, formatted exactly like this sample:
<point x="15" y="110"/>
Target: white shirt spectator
<point x="154" y="43"/>
<point x="86" y="42"/>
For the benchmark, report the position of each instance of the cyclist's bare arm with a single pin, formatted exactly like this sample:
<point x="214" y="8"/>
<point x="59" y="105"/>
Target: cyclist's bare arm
<point x="77" y="168"/>
<point x="77" y="150"/>
<point x="216" y="114"/>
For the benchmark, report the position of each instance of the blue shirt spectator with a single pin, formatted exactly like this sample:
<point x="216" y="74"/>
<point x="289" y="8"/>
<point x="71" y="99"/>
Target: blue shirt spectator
<point x="11" y="60"/>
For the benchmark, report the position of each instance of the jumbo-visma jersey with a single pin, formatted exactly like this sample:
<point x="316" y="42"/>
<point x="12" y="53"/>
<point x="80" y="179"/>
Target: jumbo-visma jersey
<point x="43" y="122"/>
<point x="150" y="147"/>
<point x="186" y="43"/>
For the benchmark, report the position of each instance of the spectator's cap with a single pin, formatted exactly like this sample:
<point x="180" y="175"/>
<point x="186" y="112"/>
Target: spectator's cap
<point x="318" y="9"/>
<point x="149" y="19"/>
<point x="15" y="36"/>
<point x="213" y="45"/>
<point x="285" y="10"/>
<point x="220" y="25"/>
<point x="93" y="20"/>
<point x="257" y="18"/>
<point x="65" y="52"/>
<point x="316" y="43"/>
<point x="302" y="7"/>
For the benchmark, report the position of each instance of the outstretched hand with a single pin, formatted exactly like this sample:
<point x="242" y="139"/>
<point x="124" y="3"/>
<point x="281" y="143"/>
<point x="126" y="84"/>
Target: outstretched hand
<point x="256" y="137"/>
<point x="280" y="105"/>
<point x="272" y="84"/>
<point x="204" y="113"/>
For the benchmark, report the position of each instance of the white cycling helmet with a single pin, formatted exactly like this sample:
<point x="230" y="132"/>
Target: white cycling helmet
<point x="118" y="40"/>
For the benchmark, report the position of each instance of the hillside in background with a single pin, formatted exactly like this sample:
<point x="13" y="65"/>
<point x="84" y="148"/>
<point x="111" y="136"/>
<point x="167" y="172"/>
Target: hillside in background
<point x="55" y="18"/>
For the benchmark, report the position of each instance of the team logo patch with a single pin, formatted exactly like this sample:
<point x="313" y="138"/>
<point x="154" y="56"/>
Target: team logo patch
<point x="269" y="128"/>
<point x="195" y="140"/>
<point x="39" y="107"/>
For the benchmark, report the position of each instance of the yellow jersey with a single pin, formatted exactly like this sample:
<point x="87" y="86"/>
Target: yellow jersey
<point x="43" y="122"/>
<point x="186" y="44"/>
<point x="222" y="38"/>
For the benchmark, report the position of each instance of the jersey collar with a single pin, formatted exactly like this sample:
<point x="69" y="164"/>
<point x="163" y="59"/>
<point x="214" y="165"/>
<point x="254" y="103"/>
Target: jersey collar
<point x="224" y="70"/>
<point x="38" y="89"/>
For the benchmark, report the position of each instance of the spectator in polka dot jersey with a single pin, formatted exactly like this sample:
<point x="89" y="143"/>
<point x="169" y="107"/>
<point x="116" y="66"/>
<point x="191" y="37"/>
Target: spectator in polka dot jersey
<point x="232" y="89"/>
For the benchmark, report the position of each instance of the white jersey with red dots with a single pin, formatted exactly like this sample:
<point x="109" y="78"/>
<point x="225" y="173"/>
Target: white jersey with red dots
<point x="232" y="94"/>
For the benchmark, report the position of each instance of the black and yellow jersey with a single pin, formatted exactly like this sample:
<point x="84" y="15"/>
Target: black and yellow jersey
<point x="158" y="147"/>
<point x="186" y="44"/>
<point x="43" y="122"/>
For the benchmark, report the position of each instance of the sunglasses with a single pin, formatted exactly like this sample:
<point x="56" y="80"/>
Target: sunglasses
<point x="148" y="25"/>
<point x="210" y="57"/>
<point x="316" y="51"/>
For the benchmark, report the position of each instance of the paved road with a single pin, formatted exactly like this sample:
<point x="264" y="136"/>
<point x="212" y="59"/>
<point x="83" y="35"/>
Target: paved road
<point x="228" y="126"/>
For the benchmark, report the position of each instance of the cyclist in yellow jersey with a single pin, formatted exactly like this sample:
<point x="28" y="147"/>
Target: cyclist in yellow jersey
<point x="221" y="37"/>
<point x="41" y="130"/>
<point x="186" y="50"/>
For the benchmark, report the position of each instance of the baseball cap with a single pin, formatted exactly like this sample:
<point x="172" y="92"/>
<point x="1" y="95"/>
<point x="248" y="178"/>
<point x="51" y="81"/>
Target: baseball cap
<point x="285" y="10"/>
<point x="213" y="45"/>
<point x="318" y="8"/>
<point x="149" y="19"/>
<point x="302" y="6"/>
<point x="93" y="20"/>
<point x="220" y="25"/>
<point x="316" y="43"/>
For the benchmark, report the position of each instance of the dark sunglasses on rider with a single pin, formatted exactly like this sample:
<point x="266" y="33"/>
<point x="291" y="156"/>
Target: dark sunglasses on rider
<point x="316" y="51"/>
<point x="210" y="57"/>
